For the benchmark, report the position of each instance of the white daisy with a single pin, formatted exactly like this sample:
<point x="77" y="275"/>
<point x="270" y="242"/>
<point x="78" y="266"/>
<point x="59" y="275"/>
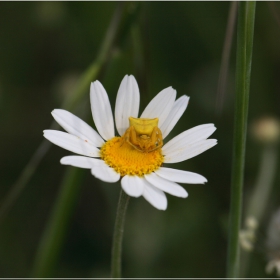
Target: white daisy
<point x="138" y="154"/>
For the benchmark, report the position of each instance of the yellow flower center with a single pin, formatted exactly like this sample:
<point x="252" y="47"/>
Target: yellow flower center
<point x="127" y="160"/>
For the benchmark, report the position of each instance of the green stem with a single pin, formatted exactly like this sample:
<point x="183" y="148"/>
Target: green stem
<point x="118" y="235"/>
<point x="52" y="240"/>
<point x="245" y="30"/>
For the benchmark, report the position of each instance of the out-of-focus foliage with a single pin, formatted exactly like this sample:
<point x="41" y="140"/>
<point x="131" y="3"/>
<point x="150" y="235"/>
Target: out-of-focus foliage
<point x="44" y="46"/>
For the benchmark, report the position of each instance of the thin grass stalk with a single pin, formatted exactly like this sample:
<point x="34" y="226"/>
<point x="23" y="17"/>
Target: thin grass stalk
<point x="245" y="30"/>
<point x="116" y="261"/>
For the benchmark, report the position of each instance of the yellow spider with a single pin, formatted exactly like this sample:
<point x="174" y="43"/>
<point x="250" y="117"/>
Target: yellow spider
<point x="143" y="134"/>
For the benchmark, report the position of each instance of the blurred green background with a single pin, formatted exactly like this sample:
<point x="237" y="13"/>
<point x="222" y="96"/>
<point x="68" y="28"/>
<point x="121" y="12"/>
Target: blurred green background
<point x="45" y="47"/>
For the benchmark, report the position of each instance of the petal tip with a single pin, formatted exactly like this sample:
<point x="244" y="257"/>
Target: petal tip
<point x="56" y="110"/>
<point x="186" y="97"/>
<point x="185" y="195"/>
<point x="63" y="161"/>
<point x="94" y="84"/>
<point x="160" y="207"/>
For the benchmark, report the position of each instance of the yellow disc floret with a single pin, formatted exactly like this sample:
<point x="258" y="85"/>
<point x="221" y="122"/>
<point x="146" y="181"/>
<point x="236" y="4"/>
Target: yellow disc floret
<point x="127" y="160"/>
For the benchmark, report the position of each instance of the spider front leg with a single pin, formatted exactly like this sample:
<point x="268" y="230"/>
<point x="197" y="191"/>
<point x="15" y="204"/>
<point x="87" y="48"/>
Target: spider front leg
<point x="156" y="139"/>
<point x="125" y="137"/>
<point x="130" y="136"/>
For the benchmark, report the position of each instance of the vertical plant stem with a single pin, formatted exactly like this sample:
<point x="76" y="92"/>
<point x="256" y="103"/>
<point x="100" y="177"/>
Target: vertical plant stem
<point x="55" y="231"/>
<point x="245" y="30"/>
<point x="118" y="235"/>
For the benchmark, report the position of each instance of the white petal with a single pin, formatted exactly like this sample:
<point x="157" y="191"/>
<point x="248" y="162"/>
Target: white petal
<point x="71" y="143"/>
<point x="79" y="161"/>
<point x="179" y="154"/>
<point x="101" y="110"/>
<point x="105" y="173"/>
<point x="175" y="114"/>
<point x="166" y="186"/>
<point x="77" y="127"/>
<point x="154" y="196"/>
<point x="188" y="137"/>
<point x="160" y="106"/>
<point x="180" y="176"/>
<point x="127" y="103"/>
<point x="132" y="185"/>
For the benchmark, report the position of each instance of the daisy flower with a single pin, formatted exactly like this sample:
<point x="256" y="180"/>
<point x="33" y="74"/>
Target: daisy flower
<point x="136" y="157"/>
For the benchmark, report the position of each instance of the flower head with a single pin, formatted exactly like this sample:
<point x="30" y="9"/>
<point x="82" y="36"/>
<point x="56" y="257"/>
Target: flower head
<point x="138" y="154"/>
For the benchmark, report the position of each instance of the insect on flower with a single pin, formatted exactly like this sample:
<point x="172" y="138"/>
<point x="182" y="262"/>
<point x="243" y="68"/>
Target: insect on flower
<point x="143" y="134"/>
<point x="136" y="155"/>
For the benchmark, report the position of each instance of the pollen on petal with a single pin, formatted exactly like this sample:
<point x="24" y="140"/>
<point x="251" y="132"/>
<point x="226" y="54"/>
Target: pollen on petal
<point x="127" y="160"/>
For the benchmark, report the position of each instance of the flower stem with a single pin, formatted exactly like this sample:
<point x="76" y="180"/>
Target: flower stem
<point x="245" y="30"/>
<point x="118" y="235"/>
